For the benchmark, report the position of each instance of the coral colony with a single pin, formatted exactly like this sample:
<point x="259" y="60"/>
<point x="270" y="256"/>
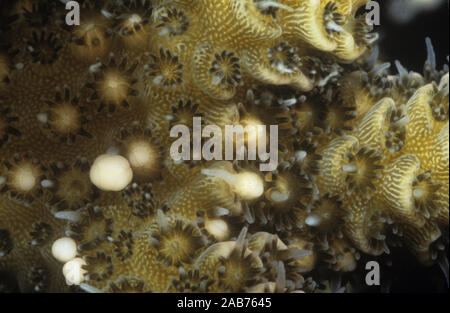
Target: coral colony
<point x="118" y="171"/>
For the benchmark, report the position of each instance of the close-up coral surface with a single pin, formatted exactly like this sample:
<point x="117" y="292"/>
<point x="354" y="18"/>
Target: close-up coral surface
<point x="92" y="200"/>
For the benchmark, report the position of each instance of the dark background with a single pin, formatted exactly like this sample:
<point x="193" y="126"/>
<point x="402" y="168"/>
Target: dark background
<point x="406" y="42"/>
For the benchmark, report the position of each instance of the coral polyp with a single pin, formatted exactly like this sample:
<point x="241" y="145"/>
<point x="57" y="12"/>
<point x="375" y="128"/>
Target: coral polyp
<point x="165" y="69"/>
<point x="90" y="195"/>
<point x="63" y="118"/>
<point x="112" y="84"/>
<point x="175" y="240"/>
<point x="21" y="177"/>
<point x="69" y="185"/>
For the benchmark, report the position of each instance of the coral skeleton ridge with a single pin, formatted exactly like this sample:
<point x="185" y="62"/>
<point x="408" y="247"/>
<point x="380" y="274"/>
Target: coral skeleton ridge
<point x="90" y="199"/>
